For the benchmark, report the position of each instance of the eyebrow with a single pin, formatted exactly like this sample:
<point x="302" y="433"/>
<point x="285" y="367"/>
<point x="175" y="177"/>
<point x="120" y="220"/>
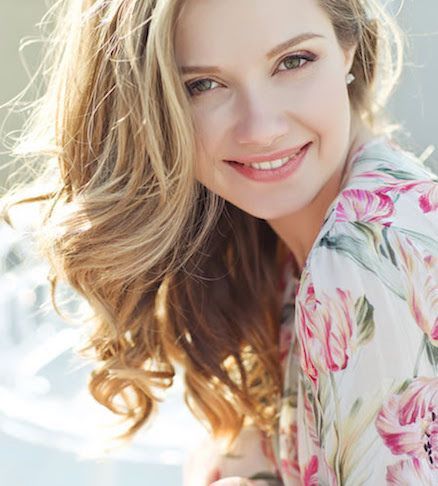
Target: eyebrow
<point x="272" y="53"/>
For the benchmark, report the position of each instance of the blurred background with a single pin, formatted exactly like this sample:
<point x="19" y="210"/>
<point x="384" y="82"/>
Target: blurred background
<point x="48" y="422"/>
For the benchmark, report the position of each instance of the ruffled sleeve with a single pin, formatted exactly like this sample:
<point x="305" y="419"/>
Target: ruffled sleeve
<point x="367" y="329"/>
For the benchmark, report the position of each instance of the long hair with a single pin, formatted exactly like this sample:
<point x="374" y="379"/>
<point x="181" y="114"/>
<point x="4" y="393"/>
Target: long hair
<point x="173" y="273"/>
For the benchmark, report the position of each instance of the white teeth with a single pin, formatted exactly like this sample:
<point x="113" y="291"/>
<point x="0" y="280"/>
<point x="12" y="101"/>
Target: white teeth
<point x="274" y="164"/>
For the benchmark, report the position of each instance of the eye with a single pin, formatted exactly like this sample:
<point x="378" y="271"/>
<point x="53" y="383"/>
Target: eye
<point x="296" y="61"/>
<point x="202" y="85"/>
<point x="292" y="63"/>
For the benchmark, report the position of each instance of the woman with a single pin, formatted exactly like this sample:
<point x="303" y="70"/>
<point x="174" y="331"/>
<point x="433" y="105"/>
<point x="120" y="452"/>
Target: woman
<point x="254" y="222"/>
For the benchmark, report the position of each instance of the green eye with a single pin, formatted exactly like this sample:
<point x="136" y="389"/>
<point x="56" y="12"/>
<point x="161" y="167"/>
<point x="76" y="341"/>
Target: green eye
<point x="202" y="84"/>
<point x="293" y="62"/>
<point x="297" y="61"/>
<point x="199" y="86"/>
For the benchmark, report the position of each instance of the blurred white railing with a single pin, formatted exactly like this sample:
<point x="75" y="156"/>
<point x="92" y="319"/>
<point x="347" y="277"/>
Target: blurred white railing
<point x="43" y="393"/>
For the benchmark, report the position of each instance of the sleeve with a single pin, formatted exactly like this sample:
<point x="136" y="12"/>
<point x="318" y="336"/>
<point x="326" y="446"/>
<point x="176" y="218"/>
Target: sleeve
<point x="367" y="325"/>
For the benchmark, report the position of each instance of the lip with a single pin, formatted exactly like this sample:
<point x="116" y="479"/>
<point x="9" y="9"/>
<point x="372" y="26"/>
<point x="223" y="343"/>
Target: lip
<point x="273" y="175"/>
<point x="268" y="157"/>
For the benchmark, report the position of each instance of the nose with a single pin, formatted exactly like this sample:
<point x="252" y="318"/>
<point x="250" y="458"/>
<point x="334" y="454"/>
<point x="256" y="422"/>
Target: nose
<point x="260" y="124"/>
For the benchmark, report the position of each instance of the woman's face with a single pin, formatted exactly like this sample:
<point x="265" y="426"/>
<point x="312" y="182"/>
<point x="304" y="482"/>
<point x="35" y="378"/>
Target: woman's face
<point x="260" y="99"/>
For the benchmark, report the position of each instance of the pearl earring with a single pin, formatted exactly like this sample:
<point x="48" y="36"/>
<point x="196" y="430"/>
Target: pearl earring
<point x="350" y="78"/>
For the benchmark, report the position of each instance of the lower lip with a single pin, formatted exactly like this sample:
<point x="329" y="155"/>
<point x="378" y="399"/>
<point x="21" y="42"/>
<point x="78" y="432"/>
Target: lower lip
<point x="272" y="175"/>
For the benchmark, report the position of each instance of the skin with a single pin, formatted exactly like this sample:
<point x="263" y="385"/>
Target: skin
<point x="257" y="106"/>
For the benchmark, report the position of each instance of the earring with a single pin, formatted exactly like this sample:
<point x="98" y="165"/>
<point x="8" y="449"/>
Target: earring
<point x="350" y="78"/>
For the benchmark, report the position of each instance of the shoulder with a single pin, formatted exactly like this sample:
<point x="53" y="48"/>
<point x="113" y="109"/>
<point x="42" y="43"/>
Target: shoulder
<point x="385" y="173"/>
<point x="379" y="244"/>
<point x="386" y="159"/>
<point x="388" y="192"/>
<point x="386" y="185"/>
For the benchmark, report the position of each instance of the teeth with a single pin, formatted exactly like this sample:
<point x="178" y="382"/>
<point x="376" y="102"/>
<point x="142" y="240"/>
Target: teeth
<point x="274" y="164"/>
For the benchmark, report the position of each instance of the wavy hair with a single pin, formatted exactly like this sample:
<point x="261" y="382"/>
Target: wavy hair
<point x="173" y="273"/>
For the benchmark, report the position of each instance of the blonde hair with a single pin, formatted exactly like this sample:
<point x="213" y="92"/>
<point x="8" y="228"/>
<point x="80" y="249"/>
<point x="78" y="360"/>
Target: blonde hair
<point x="172" y="272"/>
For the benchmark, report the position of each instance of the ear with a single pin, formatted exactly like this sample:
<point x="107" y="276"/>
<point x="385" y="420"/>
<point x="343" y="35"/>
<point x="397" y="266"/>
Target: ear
<point x="349" y="57"/>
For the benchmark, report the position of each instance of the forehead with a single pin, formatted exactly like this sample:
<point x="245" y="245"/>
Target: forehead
<point x="219" y="28"/>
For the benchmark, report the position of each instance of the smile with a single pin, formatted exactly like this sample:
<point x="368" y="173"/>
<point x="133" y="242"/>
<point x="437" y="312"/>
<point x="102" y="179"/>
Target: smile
<point x="274" y="164"/>
<point x="273" y="170"/>
<point x="272" y="157"/>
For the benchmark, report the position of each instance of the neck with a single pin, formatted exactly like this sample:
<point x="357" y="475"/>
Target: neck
<point x="298" y="230"/>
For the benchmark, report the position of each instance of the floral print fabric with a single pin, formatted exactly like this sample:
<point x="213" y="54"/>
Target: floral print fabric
<point x="359" y="336"/>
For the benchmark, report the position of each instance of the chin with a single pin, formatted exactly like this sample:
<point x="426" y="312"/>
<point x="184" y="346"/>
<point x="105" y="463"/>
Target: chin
<point x="269" y="213"/>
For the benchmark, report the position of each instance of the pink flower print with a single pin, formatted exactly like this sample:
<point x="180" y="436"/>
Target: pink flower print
<point x="429" y="197"/>
<point x="427" y="191"/>
<point x="431" y="446"/>
<point x="316" y="470"/>
<point x="289" y="449"/>
<point x="408" y="422"/>
<point x="316" y="467"/>
<point x="365" y="206"/>
<point x="305" y="331"/>
<point x="421" y="277"/>
<point x="411" y="471"/>
<point x="306" y="336"/>
<point x="310" y="477"/>
<point x="325" y="330"/>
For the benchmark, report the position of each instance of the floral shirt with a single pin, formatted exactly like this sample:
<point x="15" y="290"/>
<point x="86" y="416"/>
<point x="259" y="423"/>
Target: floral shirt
<point x="359" y="334"/>
<point x="359" y="337"/>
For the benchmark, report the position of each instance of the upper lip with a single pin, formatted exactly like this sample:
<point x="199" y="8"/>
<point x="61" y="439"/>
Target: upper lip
<point x="269" y="157"/>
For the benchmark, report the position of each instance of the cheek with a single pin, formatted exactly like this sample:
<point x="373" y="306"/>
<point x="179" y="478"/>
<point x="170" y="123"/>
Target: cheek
<point x="323" y="104"/>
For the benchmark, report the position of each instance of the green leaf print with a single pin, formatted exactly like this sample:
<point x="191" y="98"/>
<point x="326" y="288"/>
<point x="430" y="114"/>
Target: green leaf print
<point x="372" y="233"/>
<point x="403" y="386"/>
<point x="365" y="319"/>
<point x="432" y="354"/>
<point x="317" y="403"/>
<point x="357" y="249"/>
<point x="401" y="175"/>
<point x="424" y="341"/>
<point x="431" y="244"/>
<point x="387" y="250"/>
<point x="356" y="407"/>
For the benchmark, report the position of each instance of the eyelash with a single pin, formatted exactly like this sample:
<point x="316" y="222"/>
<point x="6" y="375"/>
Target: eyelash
<point x="307" y="57"/>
